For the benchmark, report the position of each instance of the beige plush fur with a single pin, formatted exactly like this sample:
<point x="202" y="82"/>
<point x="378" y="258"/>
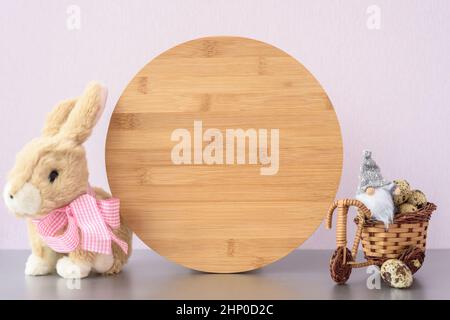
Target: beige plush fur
<point x="60" y="148"/>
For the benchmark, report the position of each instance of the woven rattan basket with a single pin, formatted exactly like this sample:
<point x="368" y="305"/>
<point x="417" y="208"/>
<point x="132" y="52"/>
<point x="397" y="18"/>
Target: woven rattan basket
<point x="405" y="239"/>
<point x="408" y="230"/>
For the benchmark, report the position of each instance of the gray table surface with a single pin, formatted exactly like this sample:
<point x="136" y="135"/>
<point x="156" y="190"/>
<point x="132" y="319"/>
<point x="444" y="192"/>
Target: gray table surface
<point x="301" y="275"/>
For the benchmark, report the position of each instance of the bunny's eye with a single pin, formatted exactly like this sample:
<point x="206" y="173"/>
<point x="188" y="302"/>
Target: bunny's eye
<point x="52" y="176"/>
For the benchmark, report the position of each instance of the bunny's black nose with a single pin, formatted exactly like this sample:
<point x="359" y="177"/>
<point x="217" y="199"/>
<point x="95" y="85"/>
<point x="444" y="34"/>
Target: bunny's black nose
<point x="11" y="196"/>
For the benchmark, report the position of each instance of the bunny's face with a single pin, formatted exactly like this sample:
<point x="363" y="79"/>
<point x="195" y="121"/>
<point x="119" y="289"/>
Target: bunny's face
<point x="51" y="171"/>
<point x="47" y="175"/>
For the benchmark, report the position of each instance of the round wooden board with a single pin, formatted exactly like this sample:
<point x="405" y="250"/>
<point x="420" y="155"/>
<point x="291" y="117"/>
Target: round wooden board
<point x="224" y="217"/>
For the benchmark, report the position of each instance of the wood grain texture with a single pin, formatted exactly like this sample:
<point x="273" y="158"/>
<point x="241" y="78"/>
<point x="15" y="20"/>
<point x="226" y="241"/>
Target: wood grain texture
<point x="223" y="218"/>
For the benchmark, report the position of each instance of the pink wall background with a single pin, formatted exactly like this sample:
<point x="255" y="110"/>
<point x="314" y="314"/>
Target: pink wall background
<point x="390" y="87"/>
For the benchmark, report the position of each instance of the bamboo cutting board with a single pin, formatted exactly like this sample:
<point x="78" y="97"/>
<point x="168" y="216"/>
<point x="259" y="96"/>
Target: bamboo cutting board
<point x="224" y="214"/>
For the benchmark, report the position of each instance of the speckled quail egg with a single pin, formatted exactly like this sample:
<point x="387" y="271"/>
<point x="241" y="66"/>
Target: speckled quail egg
<point x="403" y="193"/>
<point x="396" y="273"/>
<point x="407" y="208"/>
<point x="417" y="198"/>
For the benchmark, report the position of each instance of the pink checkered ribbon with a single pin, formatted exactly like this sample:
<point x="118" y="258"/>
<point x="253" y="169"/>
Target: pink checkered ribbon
<point x="95" y="220"/>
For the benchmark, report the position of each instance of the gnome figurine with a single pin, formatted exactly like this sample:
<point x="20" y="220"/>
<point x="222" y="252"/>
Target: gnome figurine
<point x="374" y="191"/>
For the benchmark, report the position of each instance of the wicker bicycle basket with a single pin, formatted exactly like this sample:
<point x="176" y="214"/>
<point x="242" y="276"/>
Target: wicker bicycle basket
<point x="409" y="230"/>
<point x="404" y="239"/>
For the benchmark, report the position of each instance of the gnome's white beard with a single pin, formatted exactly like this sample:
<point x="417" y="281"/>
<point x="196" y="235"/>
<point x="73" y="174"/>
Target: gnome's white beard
<point x="380" y="204"/>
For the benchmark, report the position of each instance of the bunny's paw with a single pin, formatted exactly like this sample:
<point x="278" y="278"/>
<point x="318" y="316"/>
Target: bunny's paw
<point x="36" y="266"/>
<point x="68" y="269"/>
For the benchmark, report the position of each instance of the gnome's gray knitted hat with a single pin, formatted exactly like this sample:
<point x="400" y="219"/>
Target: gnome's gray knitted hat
<point x="370" y="175"/>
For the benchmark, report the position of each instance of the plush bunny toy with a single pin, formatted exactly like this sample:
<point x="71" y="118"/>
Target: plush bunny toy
<point x="73" y="228"/>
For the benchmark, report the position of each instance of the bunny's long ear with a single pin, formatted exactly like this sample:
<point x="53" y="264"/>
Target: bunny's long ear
<point x="85" y="113"/>
<point x="58" y="117"/>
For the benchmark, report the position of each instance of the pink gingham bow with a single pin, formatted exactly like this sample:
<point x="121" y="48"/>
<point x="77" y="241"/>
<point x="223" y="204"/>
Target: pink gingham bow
<point x="93" y="218"/>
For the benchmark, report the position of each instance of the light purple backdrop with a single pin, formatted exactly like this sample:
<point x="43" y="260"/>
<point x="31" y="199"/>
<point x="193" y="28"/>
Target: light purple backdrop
<point x="390" y="86"/>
